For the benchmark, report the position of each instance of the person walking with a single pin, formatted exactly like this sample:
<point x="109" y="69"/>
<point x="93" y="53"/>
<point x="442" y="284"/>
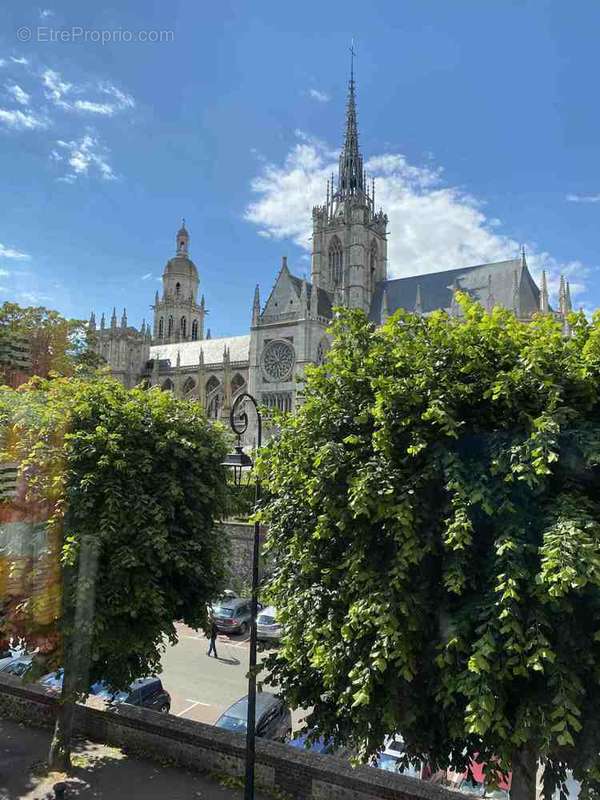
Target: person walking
<point x="213" y="633"/>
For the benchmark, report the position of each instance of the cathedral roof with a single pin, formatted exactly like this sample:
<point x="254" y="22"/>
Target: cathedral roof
<point x="181" y="265"/>
<point x="212" y="349"/>
<point x="436" y="288"/>
<point x="324" y="308"/>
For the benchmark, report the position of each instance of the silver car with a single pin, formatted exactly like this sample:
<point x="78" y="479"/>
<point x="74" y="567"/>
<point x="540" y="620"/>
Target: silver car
<point x="267" y="627"/>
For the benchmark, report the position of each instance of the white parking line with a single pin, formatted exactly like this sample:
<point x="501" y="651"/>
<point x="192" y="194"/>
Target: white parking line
<point x="185" y="710"/>
<point x="196" y="702"/>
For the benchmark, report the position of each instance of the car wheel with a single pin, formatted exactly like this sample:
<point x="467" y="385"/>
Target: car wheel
<point x="165" y="709"/>
<point x="244" y="628"/>
<point x="288" y="735"/>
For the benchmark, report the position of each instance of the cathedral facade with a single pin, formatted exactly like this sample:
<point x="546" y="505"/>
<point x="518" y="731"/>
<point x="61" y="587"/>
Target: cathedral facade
<point x="349" y="269"/>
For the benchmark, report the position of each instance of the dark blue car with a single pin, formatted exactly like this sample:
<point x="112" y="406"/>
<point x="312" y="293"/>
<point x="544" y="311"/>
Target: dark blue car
<point x="321" y="745"/>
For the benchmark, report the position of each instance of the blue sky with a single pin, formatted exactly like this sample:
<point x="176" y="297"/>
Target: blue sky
<point x="478" y="119"/>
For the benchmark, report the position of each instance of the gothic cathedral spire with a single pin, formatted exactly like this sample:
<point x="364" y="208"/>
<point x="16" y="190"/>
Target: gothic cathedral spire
<point x="349" y="238"/>
<point x="351" y="171"/>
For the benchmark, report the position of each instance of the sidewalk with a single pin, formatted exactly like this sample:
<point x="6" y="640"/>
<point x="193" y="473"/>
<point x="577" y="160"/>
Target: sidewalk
<point x="99" y="772"/>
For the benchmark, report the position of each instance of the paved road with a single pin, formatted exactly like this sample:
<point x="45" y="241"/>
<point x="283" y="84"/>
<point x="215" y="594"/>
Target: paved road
<point x="201" y="687"/>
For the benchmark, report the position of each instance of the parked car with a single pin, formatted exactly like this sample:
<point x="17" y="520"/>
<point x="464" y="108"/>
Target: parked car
<point x="233" y="615"/>
<point x="16" y="666"/>
<point x="476" y="783"/>
<point x="273" y="717"/>
<point x="390" y="758"/>
<point x="5" y="660"/>
<point x="145" y="692"/>
<point x="53" y="682"/>
<point x="322" y="745"/>
<point x="267" y="627"/>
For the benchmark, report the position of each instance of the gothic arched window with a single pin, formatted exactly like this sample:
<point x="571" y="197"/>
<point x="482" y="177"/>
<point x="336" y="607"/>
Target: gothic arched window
<point x="214" y="405"/>
<point x="335" y="262"/>
<point x="189" y="386"/>
<point x="177" y="289"/>
<point x="168" y="385"/>
<point x="183" y="326"/>
<point x="213" y="397"/>
<point x="237" y="384"/>
<point x="170" y="327"/>
<point x="195" y="330"/>
<point x="161" y="328"/>
<point x="322" y="351"/>
<point x="372" y="266"/>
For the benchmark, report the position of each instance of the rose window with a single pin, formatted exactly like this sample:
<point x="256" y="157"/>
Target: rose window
<point x="278" y="360"/>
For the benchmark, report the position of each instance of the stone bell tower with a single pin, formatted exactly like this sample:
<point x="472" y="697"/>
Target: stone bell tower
<point x="177" y="315"/>
<point x="349" y="237"/>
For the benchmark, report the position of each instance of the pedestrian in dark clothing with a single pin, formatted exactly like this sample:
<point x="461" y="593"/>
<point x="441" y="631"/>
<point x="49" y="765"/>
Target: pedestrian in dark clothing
<point x="213" y="638"/>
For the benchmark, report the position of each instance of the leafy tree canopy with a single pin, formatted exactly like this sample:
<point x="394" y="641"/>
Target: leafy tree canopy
<point x="434" y="513"/>
<point x="57" y="345"/>
<point x="139" y="474"/>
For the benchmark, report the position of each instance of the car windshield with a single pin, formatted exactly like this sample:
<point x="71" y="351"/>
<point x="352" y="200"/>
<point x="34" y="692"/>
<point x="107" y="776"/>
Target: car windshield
<point x="265" y="620"/>
<point x="232" y="724"/>
<point x="223" y="611"/>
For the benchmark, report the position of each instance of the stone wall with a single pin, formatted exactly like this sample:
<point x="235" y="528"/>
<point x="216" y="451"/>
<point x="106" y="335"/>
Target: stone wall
<point x="241" y="541"/>
<point x="295" y="774"/>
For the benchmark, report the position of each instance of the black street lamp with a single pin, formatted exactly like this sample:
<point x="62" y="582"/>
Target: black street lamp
<point x="238" y="461"/>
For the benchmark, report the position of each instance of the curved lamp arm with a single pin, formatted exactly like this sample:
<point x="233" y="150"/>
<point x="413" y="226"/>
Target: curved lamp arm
<point x="239" y="424"/>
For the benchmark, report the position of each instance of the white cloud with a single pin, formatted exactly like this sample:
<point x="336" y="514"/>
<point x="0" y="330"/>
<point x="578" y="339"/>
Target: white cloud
<point x="18" y="120"/>
<point x="19" y="94"/>
<point x="46" y="12"/>
<point x="320" y="97"/>
<point x="123" y="99"/>
<point x="147" y="276"/>
<point x="4" y="273"/>
<point x="67" y="95"/>
<point x="432" y="226"/>
<point x="2" y="62"/>
<point x="56" y="88"/>
<point x="85" y="156"/>
<point x="583" y="198"/>
<point x="20" y="60"/>
<point x="11" y="252"/>
<point x="105" y="109"/>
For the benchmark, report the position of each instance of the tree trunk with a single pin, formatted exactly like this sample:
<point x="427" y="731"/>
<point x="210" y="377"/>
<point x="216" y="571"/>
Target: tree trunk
<point x="59" y="759"/>
<point x="524" y="774"/>
<point x="78" y="641"/>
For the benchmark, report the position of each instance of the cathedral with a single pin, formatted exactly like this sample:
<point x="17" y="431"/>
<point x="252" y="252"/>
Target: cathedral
<point x="349" y="268"/>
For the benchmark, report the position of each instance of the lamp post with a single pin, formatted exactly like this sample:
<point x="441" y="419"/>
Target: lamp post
<point x="238" y="461"/>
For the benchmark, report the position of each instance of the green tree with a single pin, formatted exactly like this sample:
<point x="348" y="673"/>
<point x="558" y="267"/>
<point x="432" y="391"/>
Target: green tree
<point x="57" y="345"/>
<point x="136" y="480"/>
<point x="434" y="517"/>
